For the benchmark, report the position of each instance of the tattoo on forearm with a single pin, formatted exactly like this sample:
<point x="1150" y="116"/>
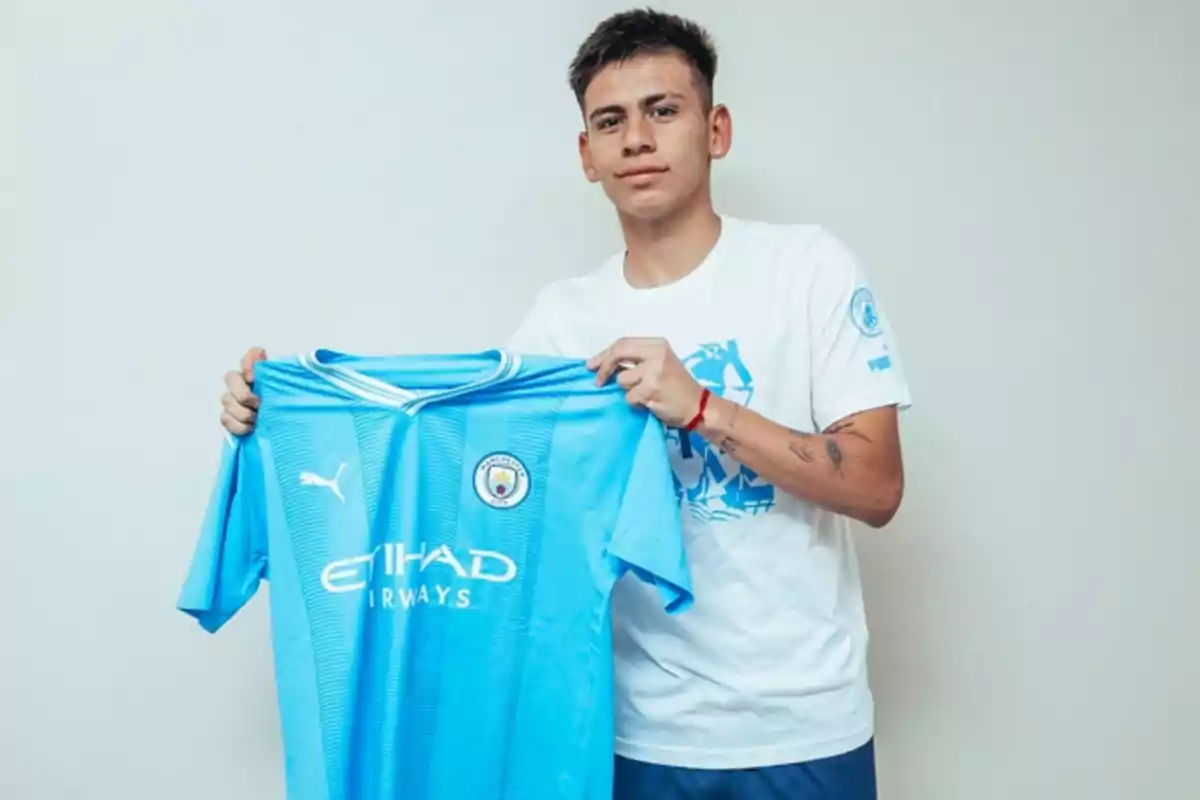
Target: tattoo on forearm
<point x="799" y="446"/>
<point x="800" y="443"/>
<point x="835" y="455"/>
<point x="728" y="443"/>
<point x="847" y="428"/>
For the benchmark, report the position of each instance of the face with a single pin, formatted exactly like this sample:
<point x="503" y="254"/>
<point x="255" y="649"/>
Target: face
<point x="648" y="139"/>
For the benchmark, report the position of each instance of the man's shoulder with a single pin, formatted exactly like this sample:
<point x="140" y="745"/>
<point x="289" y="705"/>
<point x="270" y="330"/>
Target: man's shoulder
<point x="792" y="248"/>
<point x="558" y="306"/>
<point x="794" y="237"/>
<point x="576" y="288"/>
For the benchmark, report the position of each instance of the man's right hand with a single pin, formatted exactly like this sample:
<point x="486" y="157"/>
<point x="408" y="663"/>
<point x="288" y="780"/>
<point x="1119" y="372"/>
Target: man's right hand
<point x="239" y="404"/>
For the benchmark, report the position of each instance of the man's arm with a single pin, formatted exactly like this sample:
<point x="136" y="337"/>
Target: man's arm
<point x="853" y="468"/>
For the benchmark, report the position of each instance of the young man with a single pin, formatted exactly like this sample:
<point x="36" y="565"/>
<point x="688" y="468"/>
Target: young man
<point x="764" y="350"/>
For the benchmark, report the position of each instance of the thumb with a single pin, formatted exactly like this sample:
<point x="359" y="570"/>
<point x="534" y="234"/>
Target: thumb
<point x="252" y="357"/>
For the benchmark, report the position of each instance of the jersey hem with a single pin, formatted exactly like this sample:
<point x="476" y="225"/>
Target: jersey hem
<point x="750" y="758"/>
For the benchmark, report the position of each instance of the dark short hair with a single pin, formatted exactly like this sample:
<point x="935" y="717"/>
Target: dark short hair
<point x="642" y="32"/>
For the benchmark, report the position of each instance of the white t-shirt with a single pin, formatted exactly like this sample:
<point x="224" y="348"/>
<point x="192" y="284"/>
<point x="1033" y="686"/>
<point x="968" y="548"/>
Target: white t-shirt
<point x="769" y="666"/>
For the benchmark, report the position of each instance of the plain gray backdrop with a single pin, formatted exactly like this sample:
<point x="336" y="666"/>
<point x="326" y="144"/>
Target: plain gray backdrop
<point x="181" y="180"/>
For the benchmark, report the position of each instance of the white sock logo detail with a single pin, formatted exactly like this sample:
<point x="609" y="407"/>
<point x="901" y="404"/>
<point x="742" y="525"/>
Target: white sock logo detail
<point x="313" y="479"/>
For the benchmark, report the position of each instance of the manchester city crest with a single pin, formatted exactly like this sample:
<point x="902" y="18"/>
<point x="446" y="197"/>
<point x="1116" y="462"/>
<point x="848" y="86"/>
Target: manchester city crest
<point x="501" y="480"/>
<point x="864" y="313"/>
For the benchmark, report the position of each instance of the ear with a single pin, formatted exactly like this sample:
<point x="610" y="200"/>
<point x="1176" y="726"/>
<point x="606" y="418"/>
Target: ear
<point x="720" y="131"/>
<point x="585" y="158"/>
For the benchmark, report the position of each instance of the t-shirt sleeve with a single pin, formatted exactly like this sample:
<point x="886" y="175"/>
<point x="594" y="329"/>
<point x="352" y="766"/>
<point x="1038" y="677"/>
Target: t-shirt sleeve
<point x="648" y="539"/>
<point x="855" y="362"/>
<point x="230" y="557"/>
<point x="534" y="334"/>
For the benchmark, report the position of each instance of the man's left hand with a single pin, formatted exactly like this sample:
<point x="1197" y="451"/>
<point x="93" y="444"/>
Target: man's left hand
<point x="652" y="376"/>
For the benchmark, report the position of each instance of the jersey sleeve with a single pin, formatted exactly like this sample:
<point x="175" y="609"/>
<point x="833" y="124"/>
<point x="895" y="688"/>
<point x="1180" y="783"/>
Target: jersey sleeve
<point x="648" y="539"/>
<point x="230" y="557"/>
<point x="855" y="362"/>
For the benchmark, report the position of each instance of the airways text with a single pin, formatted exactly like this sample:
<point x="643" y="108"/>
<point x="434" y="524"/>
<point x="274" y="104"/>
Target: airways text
<point x="395" y="576"/>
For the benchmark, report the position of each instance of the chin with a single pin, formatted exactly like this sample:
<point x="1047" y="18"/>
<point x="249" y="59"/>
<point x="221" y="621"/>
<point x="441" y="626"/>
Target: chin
<point x="648" y="206"/>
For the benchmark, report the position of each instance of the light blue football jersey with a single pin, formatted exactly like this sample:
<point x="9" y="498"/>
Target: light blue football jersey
<point x="441" y="535"/>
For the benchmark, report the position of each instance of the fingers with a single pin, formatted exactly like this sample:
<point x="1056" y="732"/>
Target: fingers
<point x="602" y="363"/>
<point x="239" y="390"/>
<point x="640" y="395"/>
<point x="597" y="361"/>
<point x="239" y="404"/>
<point x="235" y="427"/>
<point x="605" y="366"/>
<point x="623" y="352"/>
<point x="630" y="377"/>
<point x="239" y="411"/>
<point x="638" y="390"/>
<point x="252" y="357"/>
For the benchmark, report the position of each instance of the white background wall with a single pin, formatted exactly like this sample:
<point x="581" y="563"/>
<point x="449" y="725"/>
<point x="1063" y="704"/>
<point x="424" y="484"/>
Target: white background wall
<point x="179" y="181"/>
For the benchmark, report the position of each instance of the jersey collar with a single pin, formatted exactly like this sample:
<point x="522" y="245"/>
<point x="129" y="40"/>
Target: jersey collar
<point x="322" y="362"/>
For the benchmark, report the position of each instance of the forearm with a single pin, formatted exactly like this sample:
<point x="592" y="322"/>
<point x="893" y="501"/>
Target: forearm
<point x="842" y="469"/>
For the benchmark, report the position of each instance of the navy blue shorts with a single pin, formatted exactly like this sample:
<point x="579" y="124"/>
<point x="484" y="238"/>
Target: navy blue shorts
<point x="850" y="776"/>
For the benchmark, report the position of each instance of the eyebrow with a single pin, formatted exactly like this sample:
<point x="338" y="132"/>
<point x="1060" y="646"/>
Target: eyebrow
<point x="648" y="100"/>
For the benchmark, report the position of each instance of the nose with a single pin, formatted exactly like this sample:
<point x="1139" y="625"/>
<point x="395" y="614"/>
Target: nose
<point x="639" y="137"/>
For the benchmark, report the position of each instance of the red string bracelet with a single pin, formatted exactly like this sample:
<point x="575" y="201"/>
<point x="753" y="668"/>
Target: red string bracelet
<point x="696" y="420"/>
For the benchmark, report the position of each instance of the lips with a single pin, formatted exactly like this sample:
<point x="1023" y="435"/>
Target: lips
<point x="641" y="171"/>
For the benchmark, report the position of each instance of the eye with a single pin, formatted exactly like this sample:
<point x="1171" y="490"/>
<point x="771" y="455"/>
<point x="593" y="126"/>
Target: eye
<point x="605" y="122"/>
<point x="664" y="111"/>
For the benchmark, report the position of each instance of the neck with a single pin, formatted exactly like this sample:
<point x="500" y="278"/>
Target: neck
<point x="662" y="251"/>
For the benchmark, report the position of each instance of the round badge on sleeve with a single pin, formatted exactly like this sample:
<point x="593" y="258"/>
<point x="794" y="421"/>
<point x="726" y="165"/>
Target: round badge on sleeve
<point x="501" y="480"/>
<point x="864" y="314"/>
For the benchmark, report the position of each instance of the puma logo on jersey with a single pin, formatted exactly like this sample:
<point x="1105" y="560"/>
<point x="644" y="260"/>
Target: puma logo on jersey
<point x="313" y="479"/>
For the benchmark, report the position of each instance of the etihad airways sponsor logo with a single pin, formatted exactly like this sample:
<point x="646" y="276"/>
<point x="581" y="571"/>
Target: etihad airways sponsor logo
<point x="396" y="576"/>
